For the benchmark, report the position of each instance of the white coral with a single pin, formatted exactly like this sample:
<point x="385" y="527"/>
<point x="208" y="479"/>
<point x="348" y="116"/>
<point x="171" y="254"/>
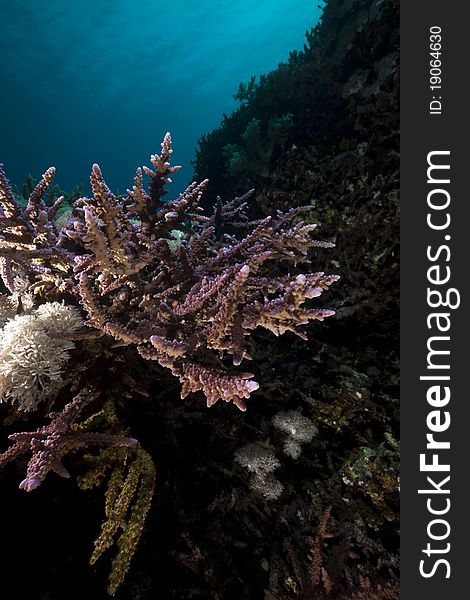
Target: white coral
<point x="257" y="459"/>
<point x="31" y="361"/>
<point x="270" y="487"/>
<point x="299" y="428"/>
<point x="58" y="317"/>
<point x="261" y="463"/>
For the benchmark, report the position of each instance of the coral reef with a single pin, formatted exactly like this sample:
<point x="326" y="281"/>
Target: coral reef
<point x="254" y="157"/>
<point x="341" y="155"/>
<point x="173" y="306"/>
<point x="341" y="151"/>
<point x="332" y="531"/>
<point x="152" y="277"/>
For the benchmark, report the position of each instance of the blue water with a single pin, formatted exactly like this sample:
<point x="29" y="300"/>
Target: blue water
<point x="85" y="81"/>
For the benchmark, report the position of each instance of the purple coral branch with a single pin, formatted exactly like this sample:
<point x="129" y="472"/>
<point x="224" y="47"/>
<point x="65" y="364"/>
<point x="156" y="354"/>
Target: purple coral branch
<point x="178" y="285"/>
<point x="50" y="443"/>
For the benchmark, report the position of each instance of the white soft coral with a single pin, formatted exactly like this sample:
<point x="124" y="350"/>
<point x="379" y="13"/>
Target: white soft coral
<point x="31" y="361"/>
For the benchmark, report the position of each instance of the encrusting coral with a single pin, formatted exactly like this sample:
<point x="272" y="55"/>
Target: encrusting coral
<point x="156" y="276"/>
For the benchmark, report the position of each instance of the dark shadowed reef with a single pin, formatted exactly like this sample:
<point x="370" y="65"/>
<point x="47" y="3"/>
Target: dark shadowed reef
<point x="322" y="128"/>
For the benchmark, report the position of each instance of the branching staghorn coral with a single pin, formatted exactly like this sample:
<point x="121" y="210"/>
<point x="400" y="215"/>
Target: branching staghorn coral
<point x="186" y="309"/>
<point x="181" y="288"/>
<point x="51" y="442"/>
<point x="175" y="307"/>
<point x="29" y="236"/>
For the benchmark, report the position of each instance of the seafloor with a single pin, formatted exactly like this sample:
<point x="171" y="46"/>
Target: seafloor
<point x="323" y="127"/>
